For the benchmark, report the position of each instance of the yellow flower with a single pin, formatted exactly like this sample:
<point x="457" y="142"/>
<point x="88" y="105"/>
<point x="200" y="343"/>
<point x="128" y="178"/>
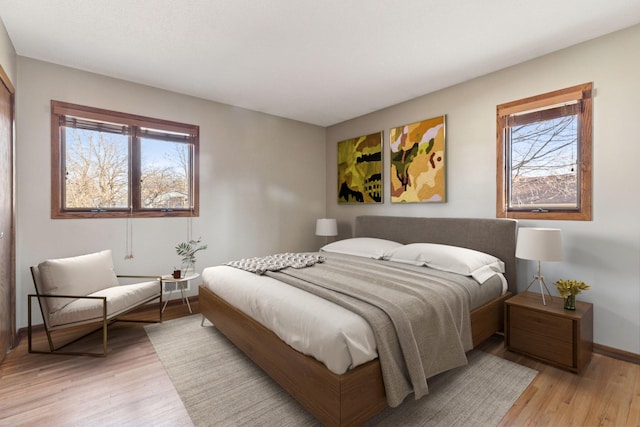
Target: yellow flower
<point x="570" y="287"/>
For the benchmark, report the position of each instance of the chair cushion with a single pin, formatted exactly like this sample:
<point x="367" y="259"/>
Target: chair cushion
<point x="80" y="275"/>
<point x="119" y="300"/>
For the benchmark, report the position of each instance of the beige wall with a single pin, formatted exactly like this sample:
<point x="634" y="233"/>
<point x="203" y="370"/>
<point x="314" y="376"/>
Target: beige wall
<point x="262" y="179"/>
<point x="605" y="252"/>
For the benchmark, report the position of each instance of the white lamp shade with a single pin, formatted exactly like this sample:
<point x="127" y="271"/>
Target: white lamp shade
<point x="540" y="244"/>
<point x="326" y="227"/>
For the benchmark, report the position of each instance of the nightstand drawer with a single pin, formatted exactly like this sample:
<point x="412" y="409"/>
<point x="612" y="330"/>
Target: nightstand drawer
<point x="545" y="325"/>
<point x="551" y="349"/>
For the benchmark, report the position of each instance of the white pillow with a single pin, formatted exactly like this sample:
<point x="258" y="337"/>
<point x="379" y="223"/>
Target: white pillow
<point x="454" y="259"/>
<point x="81" y="276"/>
<point x="366" y="247"/>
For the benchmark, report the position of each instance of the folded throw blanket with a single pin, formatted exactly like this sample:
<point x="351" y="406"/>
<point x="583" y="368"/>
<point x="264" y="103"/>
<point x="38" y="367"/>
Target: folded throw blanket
<point x="261" y="265"/>
<point x="420" y="317"/>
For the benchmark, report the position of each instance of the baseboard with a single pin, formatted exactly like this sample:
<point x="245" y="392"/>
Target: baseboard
<point x="22" y="333"/>
<point x="616" y="353"/>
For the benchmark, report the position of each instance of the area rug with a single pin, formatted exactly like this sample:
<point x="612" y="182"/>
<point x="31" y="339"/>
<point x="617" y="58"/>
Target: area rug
<point x="220" y="386"/>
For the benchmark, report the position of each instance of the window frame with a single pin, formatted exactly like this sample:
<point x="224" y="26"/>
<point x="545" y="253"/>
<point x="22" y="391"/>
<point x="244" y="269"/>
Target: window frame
<point x="583" y="95"/>
<point x="60" y="109"/>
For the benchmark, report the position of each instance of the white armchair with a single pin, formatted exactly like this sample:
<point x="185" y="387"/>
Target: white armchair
<point x="85" y="289"/>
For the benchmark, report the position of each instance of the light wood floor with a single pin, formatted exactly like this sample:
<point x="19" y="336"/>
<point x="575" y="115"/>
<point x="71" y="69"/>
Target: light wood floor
<point x="130" y="387"/>
<point x="605" y="393"/>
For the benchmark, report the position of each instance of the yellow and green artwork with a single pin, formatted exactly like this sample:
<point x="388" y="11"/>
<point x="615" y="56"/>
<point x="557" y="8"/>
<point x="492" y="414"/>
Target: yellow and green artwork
<point x="360" y="169"/>
<point x="417" y="162"/>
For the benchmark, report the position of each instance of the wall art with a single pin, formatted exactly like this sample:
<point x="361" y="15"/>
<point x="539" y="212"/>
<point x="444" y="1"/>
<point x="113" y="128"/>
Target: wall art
<point x="418" y="162"/>
<point x="360" y="169"/>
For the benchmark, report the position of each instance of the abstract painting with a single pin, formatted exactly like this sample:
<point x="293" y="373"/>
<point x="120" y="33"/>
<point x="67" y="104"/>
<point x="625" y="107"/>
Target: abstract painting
<point x="418" y="162"/>
<point x="360" y="169"/>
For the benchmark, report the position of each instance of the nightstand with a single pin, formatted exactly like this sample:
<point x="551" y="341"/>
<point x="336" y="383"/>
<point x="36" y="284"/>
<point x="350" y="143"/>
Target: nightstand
<point x="549" y="333"/>
<point x="180" y="284"/>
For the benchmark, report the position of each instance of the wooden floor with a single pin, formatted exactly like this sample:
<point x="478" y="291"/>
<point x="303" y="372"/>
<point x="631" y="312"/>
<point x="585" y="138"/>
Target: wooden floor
<point x="605" y="393"/>
<point x="130" y="387"/>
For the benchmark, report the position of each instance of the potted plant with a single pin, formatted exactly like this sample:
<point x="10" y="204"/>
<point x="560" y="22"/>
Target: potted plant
<point x="568" y="289"/>
<point x="188" y="250"/>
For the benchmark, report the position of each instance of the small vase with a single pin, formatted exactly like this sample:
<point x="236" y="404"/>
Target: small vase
<point x="188" y="267"/>
<point x="570" y="302"/>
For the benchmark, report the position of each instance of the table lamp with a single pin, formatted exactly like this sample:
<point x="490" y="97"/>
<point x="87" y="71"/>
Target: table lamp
<point x="539" y="244"/>
<point x="326" y="227"/>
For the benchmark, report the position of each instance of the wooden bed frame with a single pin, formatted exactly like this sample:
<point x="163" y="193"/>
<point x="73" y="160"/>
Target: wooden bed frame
<point x="358" y="395"/>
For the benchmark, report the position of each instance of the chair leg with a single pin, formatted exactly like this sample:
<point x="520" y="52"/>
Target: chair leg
<point x="53" y="349"/>
<point x="105" y="323"/>
<point x="104" y="328"/>
<point x="29" y="324"/>
<point x="58" y="351"/>
<point x="160" y="307"/>
<point x="30" y="330"/>
<point x="49" y="339"/>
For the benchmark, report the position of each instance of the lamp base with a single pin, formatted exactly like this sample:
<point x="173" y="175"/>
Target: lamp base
<point x="541" y="282"/>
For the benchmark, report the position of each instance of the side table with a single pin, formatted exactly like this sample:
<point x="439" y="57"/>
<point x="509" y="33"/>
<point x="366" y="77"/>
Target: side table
<point x="549" y="333"/>
<point x="181" y="284"/>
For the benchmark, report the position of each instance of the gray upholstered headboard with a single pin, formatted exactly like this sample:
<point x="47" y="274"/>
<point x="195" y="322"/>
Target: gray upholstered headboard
<point x="493" y="236"/>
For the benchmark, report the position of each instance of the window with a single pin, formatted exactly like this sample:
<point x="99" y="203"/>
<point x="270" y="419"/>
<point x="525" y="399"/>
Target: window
<point x="107" y="164"/>
<point x="544" y="156"/>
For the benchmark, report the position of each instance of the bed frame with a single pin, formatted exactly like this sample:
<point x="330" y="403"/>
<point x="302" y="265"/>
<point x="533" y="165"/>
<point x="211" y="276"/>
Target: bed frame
<point x="358" y="395"/>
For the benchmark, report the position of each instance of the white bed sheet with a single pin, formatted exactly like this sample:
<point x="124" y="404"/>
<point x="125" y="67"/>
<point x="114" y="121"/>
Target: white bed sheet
<point x="311" y="325"/>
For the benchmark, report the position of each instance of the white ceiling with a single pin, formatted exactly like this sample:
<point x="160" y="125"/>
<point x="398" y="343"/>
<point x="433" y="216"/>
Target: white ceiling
<point x="317" y="61"/>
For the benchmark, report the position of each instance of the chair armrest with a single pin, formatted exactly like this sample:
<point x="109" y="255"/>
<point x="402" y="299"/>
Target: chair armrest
<point x="46" y="316"/>
<point x="134" y="276"/>
<point x="127" y="276"/>
<point x="65" y="296"/>
<point x="31" y="296"/>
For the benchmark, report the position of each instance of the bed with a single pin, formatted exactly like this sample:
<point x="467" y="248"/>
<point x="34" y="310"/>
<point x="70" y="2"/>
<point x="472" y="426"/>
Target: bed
<point x="356" y="395"/>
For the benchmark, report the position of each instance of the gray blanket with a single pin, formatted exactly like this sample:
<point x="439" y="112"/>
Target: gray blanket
<point x="420" y="317"/>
